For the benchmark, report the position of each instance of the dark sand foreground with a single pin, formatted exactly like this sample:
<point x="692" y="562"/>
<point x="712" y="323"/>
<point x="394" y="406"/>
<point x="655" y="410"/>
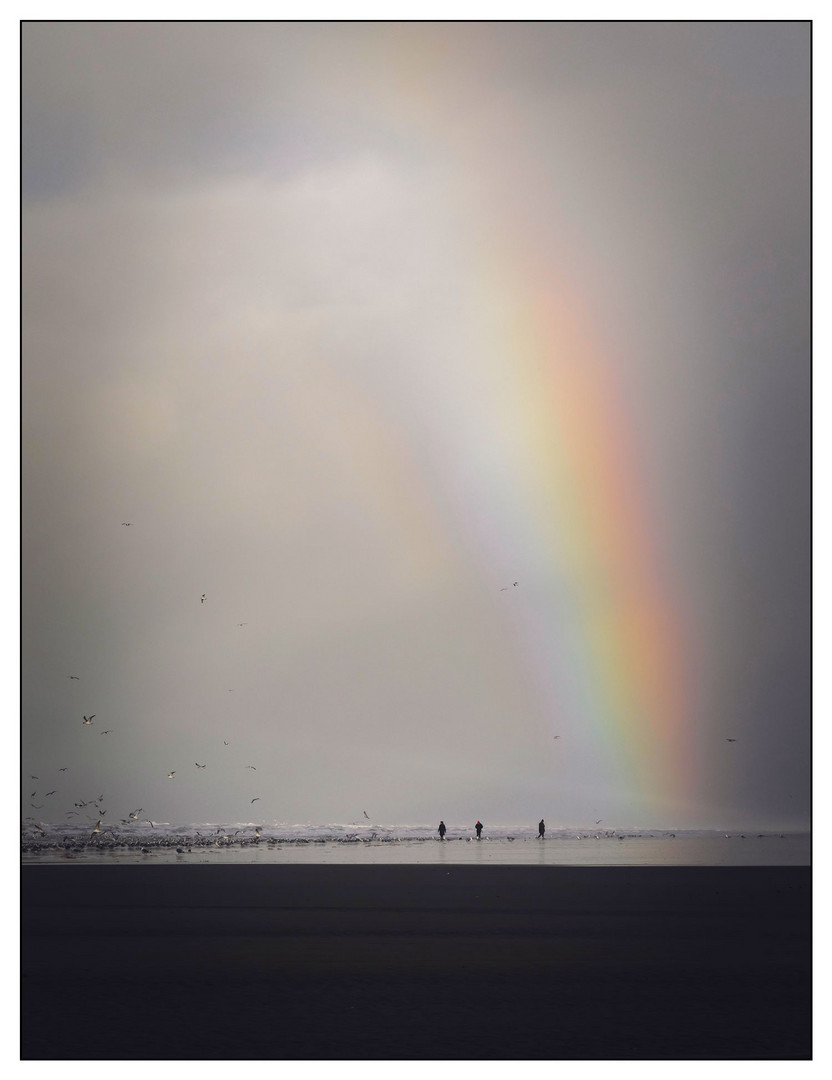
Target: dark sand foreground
<point x="394" y="962"/>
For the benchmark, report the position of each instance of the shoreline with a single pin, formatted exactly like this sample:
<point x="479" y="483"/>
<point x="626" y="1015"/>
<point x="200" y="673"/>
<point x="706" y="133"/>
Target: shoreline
<point x="219" y="847"/>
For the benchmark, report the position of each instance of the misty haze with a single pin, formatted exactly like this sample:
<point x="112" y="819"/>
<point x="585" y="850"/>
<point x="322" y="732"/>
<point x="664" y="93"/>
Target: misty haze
<point x="416" y="422"/>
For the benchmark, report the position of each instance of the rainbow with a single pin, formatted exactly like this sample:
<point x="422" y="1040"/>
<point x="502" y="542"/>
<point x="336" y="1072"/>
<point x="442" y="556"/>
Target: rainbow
<point x="549" y="467"/>
<point x="546" y="484"/>
<point x="610" y="649"/>
<point x="609" y="641"/>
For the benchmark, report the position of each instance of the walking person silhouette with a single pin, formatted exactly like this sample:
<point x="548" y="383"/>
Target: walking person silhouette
<point x="442" y="830"/>
<point x="541" y="829"/>
<point x="478" y="827"/>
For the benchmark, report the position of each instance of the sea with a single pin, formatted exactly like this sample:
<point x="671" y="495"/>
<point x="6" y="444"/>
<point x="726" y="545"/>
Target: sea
<point x="144" y="842"/>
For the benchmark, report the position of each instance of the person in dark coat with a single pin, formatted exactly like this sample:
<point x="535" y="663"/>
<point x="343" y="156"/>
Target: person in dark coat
<point x="541" y="829"/>
<point x="442" y="830"/>
<point x="478" y="827"/>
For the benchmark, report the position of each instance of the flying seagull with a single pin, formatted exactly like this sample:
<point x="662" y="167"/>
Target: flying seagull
<point x="89" y="719"/>
<point x="202" y="599"/>
<point x="514" y="585"/>
<point x="49" y="793"/>
<point x="242" y="624"/>
<point x="64" y="769"/>
<point x="127" y="523"/>
<point x="34" y="777"/>
<point x="171" y="774"/>
<point x="78" y="677"/>
<point x="730" y="740"/>
<point x="107" y="732"/>
<point x="251" y="767"/>
<point x="198" y="765"/>
<point x="256" y="799"/>
<point x="97" y="828"/>
<point x="366" y="815"/>
<point x="135" y="814"/>
<point x="224" y="743"/>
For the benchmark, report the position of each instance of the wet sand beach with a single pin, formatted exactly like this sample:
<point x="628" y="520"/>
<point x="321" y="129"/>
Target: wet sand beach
<point x="424" y="962"/>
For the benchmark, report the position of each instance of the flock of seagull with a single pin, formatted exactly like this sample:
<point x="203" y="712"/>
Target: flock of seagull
<point x="87" y="721"/>
<point x="96" y="803"/>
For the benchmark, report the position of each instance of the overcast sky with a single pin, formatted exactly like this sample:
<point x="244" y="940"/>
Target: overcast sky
<point x="357" y="325"/>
